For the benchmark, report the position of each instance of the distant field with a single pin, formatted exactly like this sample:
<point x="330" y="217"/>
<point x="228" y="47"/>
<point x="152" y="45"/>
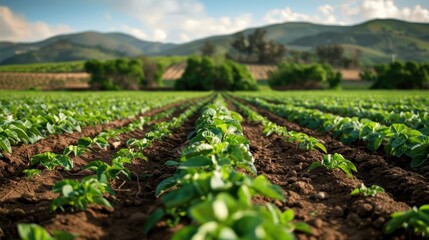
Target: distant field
<point x="43" y="81"/>
<point x="70" y="75"/>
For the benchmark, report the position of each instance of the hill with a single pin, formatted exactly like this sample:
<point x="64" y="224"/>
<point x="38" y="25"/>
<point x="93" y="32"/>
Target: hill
<point x="95" y="44"/>
<point x="377" y="39"/>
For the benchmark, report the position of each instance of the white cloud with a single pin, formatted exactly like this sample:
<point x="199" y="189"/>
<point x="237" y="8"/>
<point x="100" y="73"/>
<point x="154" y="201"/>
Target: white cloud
<point x="159" y="35"/>
<point x="370" y="9"/>
<point x="133" y="31"/>
<point x="17" y="29"/>
<point x="326" y="9"/>
<point x="350" y="12"/>
<point x="288" y="15"/>
<point x="285" y="15"/>
<point x="178" y="20"/>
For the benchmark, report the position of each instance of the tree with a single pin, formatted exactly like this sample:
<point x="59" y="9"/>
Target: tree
<point x="302" y="76"/>
<point x="256" y="49"/>
<point x="115" y="74"/>
<point x="331" y="54"/>
<point x="208" y="49"/>
<point x="398" y="75"/>
<point x="204" y="74"/>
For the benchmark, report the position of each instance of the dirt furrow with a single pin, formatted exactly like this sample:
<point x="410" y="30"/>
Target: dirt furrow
<point x="29" y="201"/>
<point x="14" y="163"/>
<point x="406" y="186"/>
<point x="321" y="198"/>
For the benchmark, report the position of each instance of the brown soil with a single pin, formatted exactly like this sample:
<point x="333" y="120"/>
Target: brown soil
<point x="373" y="168"/>
<point x="24" y="201"/>
<point x="14" y="163"/>
<point x="321" y="198"/>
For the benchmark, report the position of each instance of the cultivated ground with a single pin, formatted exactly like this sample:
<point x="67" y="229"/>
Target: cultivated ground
<point x="320" y="198"/>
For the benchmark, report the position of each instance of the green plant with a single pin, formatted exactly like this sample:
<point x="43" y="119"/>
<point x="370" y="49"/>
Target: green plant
<point x="77" y="150"/>
<point x="78" y="195"/>
<point x="52" y="160"/>
<point x="225" y="217"/>
<point x="332" y="162"/>
<point x="31" y="173"/>
<point x="416" y="220"/>
<point x="106" y="173"/>
<point x="36" y="232"/>
<point x="367" y="191"/>
<point x="100" y="141"/>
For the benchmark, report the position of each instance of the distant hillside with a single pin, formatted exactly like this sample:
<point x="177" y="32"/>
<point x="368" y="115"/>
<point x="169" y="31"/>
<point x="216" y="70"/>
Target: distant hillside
<point x="378" y="40"/>
<point x="63" y="51"/>
<point x="104" y="45"/>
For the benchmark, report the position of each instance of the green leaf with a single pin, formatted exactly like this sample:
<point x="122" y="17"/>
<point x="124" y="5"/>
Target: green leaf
<point x="171" y="163"/>
<point x="31" y="173"/>
<point x="66" y="162"/>
<point x="303" y="227"/>
<point x="185" y="233"/>
<point x="195" y="162"/>
<point x="5" y="144"/>
<point x="203" y="212"/>
<point x="287" y="216"/>
<point x="313" y="166"/>
<point x="180" y="196"/>
<point x="67" y="190"/>
<point x="33" y="232"/>
<point x="165" y="184"/>
<point x="321" y="147"/>
<point x="267" y="189"/>
<point x="85" y="142"/>
<point x="153" y="219"/>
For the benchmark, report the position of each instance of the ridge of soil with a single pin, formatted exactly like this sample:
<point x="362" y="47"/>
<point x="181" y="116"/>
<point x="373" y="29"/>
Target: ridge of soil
<point x="406" y="186"/>
<point x="402" y="162"/>
<point x="11" y="164"/>
<point x="320" y="198"/>
<point x="29" y="201"/>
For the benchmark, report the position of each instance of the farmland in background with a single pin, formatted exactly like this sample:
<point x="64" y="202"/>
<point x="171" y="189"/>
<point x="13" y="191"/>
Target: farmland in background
<point x="70" y="75"/>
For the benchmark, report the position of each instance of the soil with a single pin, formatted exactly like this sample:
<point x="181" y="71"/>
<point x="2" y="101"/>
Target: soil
<point x="320" y="198"/>
<point x="25" y="201"/>
<point x="404" y="184"/>
<point x="12" y="164"/>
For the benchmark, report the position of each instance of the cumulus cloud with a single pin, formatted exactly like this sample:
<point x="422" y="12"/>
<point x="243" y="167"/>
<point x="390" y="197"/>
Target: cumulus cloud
<point x="133" y="31"/>
<point x="326" y="16"/>
<point x="370" y="9"/>
<point x="17" y="29"/>
<point x="178" y="20"/>
<point x="350" y="12"/>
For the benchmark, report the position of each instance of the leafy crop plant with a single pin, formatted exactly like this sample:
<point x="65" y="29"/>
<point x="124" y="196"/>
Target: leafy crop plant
<point x="332" y="162"/>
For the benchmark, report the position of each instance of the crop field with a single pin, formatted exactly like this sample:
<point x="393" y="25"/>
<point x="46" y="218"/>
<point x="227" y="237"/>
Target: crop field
<point x="208" y="165"/>
<point x="44" y="81"/>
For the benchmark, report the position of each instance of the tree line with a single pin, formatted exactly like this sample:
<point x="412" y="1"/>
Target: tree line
<point x="256" y="48"/>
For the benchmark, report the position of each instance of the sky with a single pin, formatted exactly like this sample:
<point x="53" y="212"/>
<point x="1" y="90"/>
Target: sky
<point x="185" y="20"/>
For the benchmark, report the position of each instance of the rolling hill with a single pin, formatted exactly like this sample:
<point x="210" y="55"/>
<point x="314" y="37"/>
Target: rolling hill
<point x="377" y="39"/>
<point x="104" y="45"/>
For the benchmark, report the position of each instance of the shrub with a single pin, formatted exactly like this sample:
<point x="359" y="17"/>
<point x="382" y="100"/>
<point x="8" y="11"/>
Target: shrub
<point x="119" y="74"/>
<point x="204" y="74"/>
<point x="398" y="75"/>
<point x="301" y="76"/>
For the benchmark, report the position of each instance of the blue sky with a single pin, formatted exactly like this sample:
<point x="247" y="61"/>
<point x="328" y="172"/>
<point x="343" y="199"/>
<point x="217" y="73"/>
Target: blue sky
<point x="185" y="20"/>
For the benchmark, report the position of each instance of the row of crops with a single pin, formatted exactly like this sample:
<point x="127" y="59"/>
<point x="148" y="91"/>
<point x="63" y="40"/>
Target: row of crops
<point x="216" y="190"/>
